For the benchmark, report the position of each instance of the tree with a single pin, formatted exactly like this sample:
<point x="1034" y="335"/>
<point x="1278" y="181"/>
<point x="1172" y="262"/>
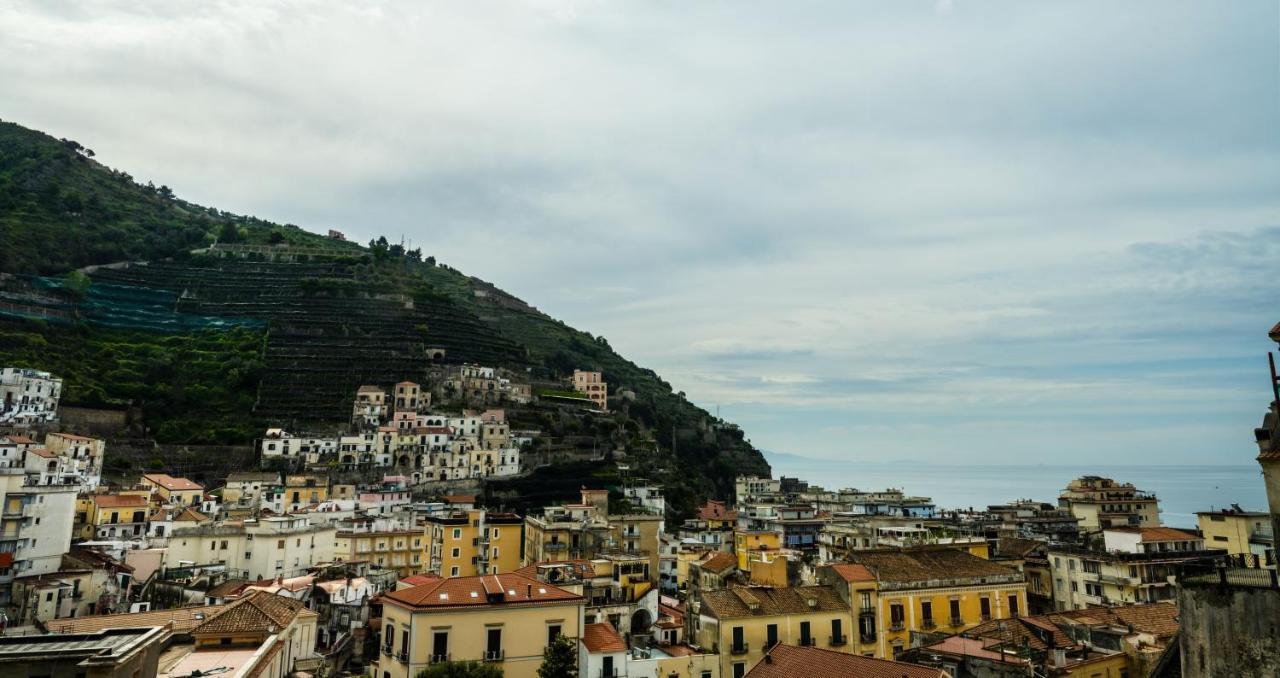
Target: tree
<point x="559" y="660"/>
<point x="229" y="233"/>
<point x="461" y="670"/>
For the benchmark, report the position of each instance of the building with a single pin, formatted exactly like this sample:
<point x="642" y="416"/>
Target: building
<point x="113" y="516"/>
<point x="934" y="589"/>
<point x="36" y="524"/>
<point x="592" y="385"/>
<point x="409" y="397"/>
<point x="754" y="489"/>
<point x="1099" y="641"/>
<point x="369" y="409"/>
<point x="244" y="488"/>
<point x="83" y="453"/>
<point x="279" y="444"/>
<point x="471" y="542"/>
<point x="789" y="661"/>
<point x="1239" y="532"/>
<point x="1137" y="565"/>
<point x="743" y="623"/>
<point x="603" y="652"/>
<point x="401" y="550"/>
<point x="169" y="490"/>
<point x="28" y="396"/>
<point x="279" y="546"/>
<point x="504" y="619"/>
<point x="1102" y="502"/>
<point x="567" y="532"/>
<point x="646" y="498"/>
<point x="110" y="653"/>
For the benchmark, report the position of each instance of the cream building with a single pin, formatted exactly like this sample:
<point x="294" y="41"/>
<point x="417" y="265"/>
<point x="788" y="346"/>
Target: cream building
<point x="1102" y="502"/>
<point x="282" y="546"/>
<point x="504" y="619"/>
<point x="592" y="385"/>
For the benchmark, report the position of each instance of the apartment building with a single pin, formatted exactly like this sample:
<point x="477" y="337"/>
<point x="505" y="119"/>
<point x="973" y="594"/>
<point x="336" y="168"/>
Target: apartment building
<point x="1136" y="565"/>
<point x="370" y="408"/>
<point x="409" y="397"/>
<point x="112" y="516"/>
<point x="82" y="452"/>
<point x="166" y="489"/>
<point x="400" y="550"/>
<point x="28" y="396"/>
<point x="471" y="542"/>
<point x="1239" y="532"/>
<point x="754" y="489"/>
<point x="504" y="619"/>
<point x="592" y="385"/>
<point x="279" y="546"/>
<point x="743" y="623"/>
<point x="1102" y="502"/>
<point x="926" y="589"/>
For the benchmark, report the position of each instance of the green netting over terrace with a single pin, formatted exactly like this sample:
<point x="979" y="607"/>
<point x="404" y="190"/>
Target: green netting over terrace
<point x="127" y="307"/>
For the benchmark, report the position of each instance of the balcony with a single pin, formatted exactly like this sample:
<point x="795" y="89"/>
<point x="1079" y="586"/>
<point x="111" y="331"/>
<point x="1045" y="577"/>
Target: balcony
<point x="838" y="641"/>
<point x="986" y="617"/>
<point x="867" y="637"/>
<point x="741" y="648"/>
<point x="386" y="649"/>
<point x="897" y="625"/>
<point x="808" y="642"/>
<point x="494" y="655"/>
<point x="403" y="657"/>
<point x="957" y="621"/>
<point x="554" y="546"/>
<point x="928" y="623"/>
<point x="609" y="673"/>
<point x="438" y="658"/>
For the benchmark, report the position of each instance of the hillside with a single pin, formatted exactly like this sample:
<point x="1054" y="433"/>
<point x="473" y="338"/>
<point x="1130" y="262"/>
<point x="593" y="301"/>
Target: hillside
<point x="276" y="325"/>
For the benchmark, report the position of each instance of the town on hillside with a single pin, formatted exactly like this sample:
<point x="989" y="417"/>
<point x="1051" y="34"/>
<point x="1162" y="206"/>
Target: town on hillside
<point x="375" y="551"/>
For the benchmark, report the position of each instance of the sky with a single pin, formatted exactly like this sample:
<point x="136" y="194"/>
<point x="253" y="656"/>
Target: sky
<point x="963" y="232"/>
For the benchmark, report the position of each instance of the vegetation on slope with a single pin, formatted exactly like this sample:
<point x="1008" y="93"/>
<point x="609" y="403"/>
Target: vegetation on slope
<point x="60" y="209"/>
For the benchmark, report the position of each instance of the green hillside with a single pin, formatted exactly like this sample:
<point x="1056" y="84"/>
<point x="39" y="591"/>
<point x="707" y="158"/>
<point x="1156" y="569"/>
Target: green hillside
<point x="276" y="325"/>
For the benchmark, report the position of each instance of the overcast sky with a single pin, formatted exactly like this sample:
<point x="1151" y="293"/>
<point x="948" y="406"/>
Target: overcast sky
<point x="957" y="231"/>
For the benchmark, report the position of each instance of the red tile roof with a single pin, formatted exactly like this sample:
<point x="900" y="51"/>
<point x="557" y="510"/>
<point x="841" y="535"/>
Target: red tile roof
<point x="716" y="510"/>
<point x="852" y="572"/>
<point x="1156" y="533"/>
<point x="602" y="638"/>
<point x="170" y="483"/>
<point x="718" y="561"/>
<point x="788" y="661"/>
<point x="504" y="589"/>
<point x="460" y="499"/>
<point x="119" y="501"/>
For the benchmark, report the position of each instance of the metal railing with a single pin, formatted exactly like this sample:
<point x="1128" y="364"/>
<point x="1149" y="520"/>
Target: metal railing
<point x="739" y="648"/>
<point x="897" y="625"/>
<point x="1237" y="570"/>
<point x="808" y="642"/>
<point x="494" y="655"/>
<point x="438" y="658"/>
<point x="837" y="641"/>
<point x="928" y="623"/>
<point x="957" y="621"/>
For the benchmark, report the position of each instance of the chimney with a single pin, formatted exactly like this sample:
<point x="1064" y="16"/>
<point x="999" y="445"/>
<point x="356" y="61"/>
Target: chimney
<point x="528" y="590"/>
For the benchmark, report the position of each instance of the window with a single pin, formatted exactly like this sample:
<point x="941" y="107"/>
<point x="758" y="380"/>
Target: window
<point x="739" y="669"/>
<point x="837" y="633"/>
<point x="553" y="630"/>
<point x="439" y="646"/>
<point x="1013" y="605"/>
<point x="896" y="617"/>
<point x="805" y="638"/>
<point x="771" y="636"/>
<point x="1218" y="537"/>
<point x="738" y="645"/>
<point x="453" y="571"/>
<point x="606" y="668"/>
<point x="926" y="613"/>
<point x="955" y="613"/>
<point x="456" y="552"/>
<point x="985" y="604"/>
<point x="457" y="533"/>
<point x="493" y="644"/>
<point x="866" y="600"/>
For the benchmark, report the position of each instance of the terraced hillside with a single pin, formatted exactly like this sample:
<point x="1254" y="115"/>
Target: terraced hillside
<point x="215" y="325"/>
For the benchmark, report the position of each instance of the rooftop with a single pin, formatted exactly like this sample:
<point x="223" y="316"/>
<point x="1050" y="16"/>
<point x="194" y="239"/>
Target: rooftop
<point x="183" y="620"/>
<point x="760" y="601"/>
<point x="1154" y="534"/>
<point x="788" y="661"/>
<point x="602" y="638"/>
<point x="256" y="612"/>
<point x="508" y="589"/>
<point x="926" y="565"/>
<point x="171" y="483"/>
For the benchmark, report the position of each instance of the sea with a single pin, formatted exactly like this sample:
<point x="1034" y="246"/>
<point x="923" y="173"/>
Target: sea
<point x="1182" y="489"/>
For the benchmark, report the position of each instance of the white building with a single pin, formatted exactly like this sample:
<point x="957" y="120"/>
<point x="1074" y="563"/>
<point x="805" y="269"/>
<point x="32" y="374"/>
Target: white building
<point x="80" y="454"/>
<point x="648" y="498"/>
<point x="28" y="396"/>
<point x="281" y="546"/>
<point x="35" y="527"/>
<point x="279" y="443"/>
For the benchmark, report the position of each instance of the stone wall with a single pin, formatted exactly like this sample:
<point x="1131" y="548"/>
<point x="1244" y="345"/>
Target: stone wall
<point x="1231" y="631"/>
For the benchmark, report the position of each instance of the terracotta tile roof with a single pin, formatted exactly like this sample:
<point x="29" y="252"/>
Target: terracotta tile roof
<point x="183" y="619"/>
<point x="1017" y="547"/>
<point x="72" y="436"/>
<point x="419" y="579"/>
<point x="602" y="638"/>
<point x="1014" y="633"/>
<point x="43" y="452"/>
<point x="927" y="564"/>
<point x="788" y="661"/>
<point x="759" y="601"/>
<point x="1157" y="619"/>
<point x="119" y="501"/>
<point x="170" y="483"/>
<point x="1150" y="534"/>
<point x="975" y="647"/>
<point x="504" y="589"/>
<point x="190" y="515"/>
<point x="227" y="589"/>
<point x="20" y="440"/>
<point x="852" y="572"/>
<point x="582" y="569"/>
<point x="718" y="561"/>
<point x="460" y="499"/>
<point x="256" y="612"/>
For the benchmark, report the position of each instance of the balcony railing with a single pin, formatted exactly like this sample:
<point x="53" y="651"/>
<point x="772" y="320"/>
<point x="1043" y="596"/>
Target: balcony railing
<point x="439" y="658"/>
<point x="928" y="623"/>
<point x="403" y="657"/>
<point x="386" y="649"/>
<point x="741" y="648"/>
<point x="494" y="655"/>
<point x="609" y="673"/>
<point x="808" y="642"/>
<point x="867" y="636"/>
<point x="986" y="617"/>
<point x="957" y="621"/>
<point x="838" y="641"/>
<point x="897" y="625"/>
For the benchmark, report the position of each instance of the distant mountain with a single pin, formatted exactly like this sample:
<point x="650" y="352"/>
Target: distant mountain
<point x="277" y="325"/>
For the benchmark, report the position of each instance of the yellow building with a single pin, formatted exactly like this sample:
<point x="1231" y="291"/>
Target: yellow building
<point x="400" y="550"/>
<point x="1238" y="531"/>
<point x="639" y="534"/>
<point x="746" y="541"/>
<point x="473" y="542"/>
<point x="1102" y="502"/>
<point x="304" y="490"/>
<point x="170" y="490"/>
<point x="504" y="619"/>
<point x="933" y="589"/>
<point x="743" y="623"/>
<point x="112" y="516"/>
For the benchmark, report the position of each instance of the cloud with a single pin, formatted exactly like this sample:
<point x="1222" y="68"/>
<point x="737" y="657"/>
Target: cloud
<point x="848" y="215"/>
